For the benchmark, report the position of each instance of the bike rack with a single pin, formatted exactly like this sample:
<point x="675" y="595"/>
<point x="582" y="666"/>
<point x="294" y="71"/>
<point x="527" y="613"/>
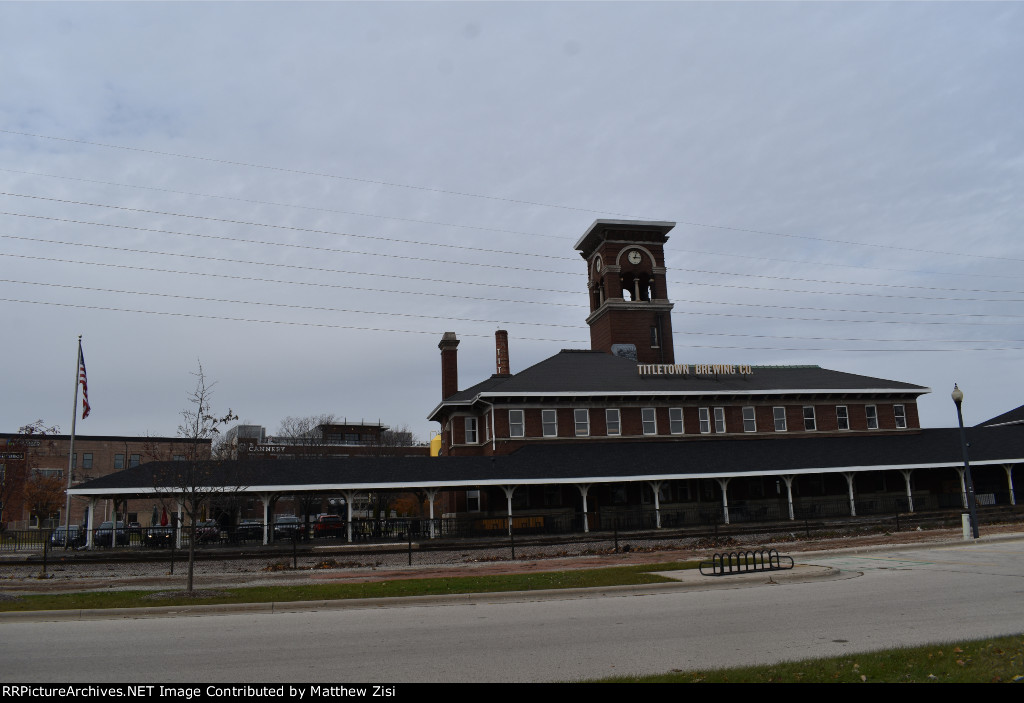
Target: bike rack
<point x="745" y="562"/>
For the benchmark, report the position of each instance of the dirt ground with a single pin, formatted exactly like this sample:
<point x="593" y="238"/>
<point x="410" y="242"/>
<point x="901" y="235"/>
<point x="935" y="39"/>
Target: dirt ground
<point x="268" y="570"/>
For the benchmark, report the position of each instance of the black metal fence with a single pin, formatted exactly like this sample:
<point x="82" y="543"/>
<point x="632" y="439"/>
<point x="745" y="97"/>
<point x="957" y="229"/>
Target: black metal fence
<point x="549" y="523"/>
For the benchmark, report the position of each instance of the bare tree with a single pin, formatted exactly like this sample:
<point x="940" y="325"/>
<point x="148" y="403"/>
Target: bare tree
<point x="194" y="479"/>
<point x="306" y="432"/>
<point x="391" y="442"/>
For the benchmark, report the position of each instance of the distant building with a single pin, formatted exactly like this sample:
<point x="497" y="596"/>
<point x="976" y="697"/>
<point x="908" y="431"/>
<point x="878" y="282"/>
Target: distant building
<point x="335" y="439"/>
<point x="24" y="459"/>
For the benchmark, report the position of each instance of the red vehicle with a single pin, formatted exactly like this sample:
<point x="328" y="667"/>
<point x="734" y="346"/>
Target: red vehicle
<point x="329" y="526"/>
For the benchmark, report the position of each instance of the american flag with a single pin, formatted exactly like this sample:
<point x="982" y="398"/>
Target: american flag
<point x="85" y="384"/>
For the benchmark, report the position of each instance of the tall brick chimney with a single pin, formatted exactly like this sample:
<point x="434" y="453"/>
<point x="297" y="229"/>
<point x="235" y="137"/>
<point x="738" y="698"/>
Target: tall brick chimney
<point x="501" y="350"/>
<point x="449" y="346"/>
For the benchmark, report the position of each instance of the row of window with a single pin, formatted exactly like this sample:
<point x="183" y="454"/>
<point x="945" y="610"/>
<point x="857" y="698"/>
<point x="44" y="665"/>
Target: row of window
<point x="708" y="418"/>
<point x="133" y="460"/>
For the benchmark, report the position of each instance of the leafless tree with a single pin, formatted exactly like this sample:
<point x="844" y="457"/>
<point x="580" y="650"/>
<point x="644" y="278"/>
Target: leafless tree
<point x="306" y="432"/>
<point x="391" y="442"/>
<point x="195" y="478"/>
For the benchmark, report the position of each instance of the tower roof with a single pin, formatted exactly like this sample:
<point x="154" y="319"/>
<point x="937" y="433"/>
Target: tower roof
<point x="599" y="231"/>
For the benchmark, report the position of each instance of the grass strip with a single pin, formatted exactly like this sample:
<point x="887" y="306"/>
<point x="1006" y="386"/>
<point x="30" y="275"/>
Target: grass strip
<point x="999" y="659"/>
<point x="581" y="578"/>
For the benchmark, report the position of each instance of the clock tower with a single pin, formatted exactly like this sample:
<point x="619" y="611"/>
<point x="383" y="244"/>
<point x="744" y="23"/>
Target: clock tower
<point x="630" y="314"/>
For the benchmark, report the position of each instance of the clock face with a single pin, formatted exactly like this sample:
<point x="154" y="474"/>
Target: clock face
<point x="597" y="264"/>
<point x="633" y="257"/>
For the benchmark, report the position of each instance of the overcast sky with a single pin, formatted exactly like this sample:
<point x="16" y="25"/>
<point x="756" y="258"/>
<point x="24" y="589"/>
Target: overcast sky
<point x="306" y="196"/>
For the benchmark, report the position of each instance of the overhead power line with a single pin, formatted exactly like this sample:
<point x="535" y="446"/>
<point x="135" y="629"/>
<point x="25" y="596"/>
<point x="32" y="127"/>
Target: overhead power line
<point x="438" y="332"/>
<point x="334" y="176"/>
<point x="290" y="228"/>
<point x="311" y="208"/>
<point x="356" y="179"/>
<point x="334" y="250"/>
<point x="292" y="283"/>
<point x="314" y="308"/>
<point x="482" y="228"/>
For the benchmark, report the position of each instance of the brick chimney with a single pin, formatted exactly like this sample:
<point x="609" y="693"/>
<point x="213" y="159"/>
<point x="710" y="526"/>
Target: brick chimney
<point x="501" y="350"/>
<point x="449" y="346"/>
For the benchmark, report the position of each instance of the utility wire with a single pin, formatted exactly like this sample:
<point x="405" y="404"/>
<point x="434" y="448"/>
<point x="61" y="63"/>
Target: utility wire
<point x="497" y="322"/>
<point x="288" y="306"/>
<point x="442" y="261"/>
<point x="501" y="199"/>
<point x="281" y="169"/>
<point x="481" y="228"/>
<point x="436" y="332"/>
<point x="290" y="228"/>
<point x="475" y="228"/>
<point x="293" y="283"/>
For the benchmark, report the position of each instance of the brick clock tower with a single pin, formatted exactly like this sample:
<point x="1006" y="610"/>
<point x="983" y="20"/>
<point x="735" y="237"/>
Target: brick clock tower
<point x="630" y="314"/>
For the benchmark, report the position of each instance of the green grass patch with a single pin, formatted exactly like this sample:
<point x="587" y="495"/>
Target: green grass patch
<point x="1000" y="659"/>
<point x="582" y="578"/>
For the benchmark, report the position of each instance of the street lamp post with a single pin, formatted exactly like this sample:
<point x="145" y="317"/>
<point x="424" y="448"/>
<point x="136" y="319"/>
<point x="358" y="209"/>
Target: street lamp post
<point x="958" y="399"/>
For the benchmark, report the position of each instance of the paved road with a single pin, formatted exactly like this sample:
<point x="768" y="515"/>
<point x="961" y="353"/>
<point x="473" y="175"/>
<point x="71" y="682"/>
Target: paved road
<point x="878" y="601"/>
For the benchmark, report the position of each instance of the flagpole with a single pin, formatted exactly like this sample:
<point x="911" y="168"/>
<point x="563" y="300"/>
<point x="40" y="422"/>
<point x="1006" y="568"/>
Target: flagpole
<point x="71" y="450"/>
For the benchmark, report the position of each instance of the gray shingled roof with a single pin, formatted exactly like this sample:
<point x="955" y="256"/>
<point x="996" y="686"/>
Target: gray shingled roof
<point x="587" y="372"/>
<point x="1014" y="417"/>
<point x="604" y="461"/>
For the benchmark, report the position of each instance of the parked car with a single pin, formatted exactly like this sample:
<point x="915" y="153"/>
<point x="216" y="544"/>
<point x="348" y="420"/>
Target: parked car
<point x="158" y="536"/>
<point x="208" y="531"/>
<point x="248" y="530"/>
<point x="287" y="527"/>
<point x="329" y="526"/>
<point x="104" y="535"/>
<point x="70" y="536"/>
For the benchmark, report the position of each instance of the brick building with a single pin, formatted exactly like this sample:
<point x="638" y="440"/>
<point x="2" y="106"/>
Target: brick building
<point x="337" y="439"/>
<point x="630" y="433"/>
<point x="628" y="387"/>
<point x="30" y="458"/>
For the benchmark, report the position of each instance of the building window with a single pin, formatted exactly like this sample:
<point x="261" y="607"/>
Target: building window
<point x="901" y="416"/>
<point x="872" y="414"/>
<point x="87" y="461"/>
<point x="178" y="457"/>
<point x="675" y="420"/>
<point x="516" y="426"/>
<point x="134" y="460"/>
<point x="582" y="417"/>
<point x="720" y="420"/>
<point x="611" y="419"/>
<point x="780" y="419"/>
<point x="549" y="421"/>
<point x="705" y="420"/>
<point x="654" y="338"/>
<point x="749" y="422"/>
<point x="472" y="501"/>
<point x="649" y="422"/>
<point x="842" y="417"/>
<point x="471" y="430"/>
<point x="809" y="424"/>
<point x="119" y="461"/>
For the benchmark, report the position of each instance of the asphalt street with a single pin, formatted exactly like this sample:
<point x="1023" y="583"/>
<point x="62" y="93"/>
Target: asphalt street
<point x="834" y="604"/>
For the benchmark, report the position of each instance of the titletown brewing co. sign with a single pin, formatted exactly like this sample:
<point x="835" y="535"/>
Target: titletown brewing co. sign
<point x="697" y="370"/>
